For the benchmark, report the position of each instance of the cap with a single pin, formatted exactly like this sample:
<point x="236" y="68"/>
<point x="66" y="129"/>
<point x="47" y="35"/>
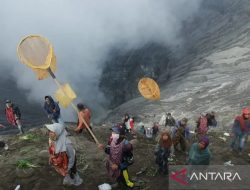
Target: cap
<point x="7" y="101"/>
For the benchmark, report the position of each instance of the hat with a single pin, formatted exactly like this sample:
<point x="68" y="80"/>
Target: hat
<point x="7" y="101"/>
<point x="115" y="129"/>
<point x="205" y="140"/>
<point x="81" y="106"/>
<point x="245" y="111"/>
<point x="55" y="127"/>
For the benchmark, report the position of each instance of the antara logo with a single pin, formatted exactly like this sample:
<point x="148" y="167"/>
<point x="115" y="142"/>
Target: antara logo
<point x="214" y="176"/>
<point x="181" y="176"/>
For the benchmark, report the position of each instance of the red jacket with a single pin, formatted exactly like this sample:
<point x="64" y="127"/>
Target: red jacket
<point x="10" y="116"/>
<point x="243" y="123"/>
<point x="86" y="114"/>
<point x="59" y="161"/>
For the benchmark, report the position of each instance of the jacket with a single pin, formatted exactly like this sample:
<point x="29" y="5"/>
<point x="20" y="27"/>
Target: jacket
<point x="52" y="109"/>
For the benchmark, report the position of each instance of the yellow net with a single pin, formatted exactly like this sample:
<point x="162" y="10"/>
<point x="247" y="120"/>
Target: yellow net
<point x="65" y="95"/>
<point x="149" y="89"/>
<point x="37" y="53"/>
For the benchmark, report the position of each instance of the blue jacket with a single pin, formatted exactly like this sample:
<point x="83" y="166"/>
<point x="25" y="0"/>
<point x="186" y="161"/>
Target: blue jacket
<point x="52" y="109"/>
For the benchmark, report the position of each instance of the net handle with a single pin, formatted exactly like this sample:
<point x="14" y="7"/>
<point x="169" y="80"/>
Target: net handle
<point x="73" y="105"/>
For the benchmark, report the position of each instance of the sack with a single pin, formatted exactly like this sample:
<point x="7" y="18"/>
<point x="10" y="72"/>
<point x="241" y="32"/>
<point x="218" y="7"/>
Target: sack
<point x="107" y="149"/>
<point x="104" y="186"/>
<point x="202" y="124"/>
<point x="149" y="132"/>
<point x="17" y="111"/>
<point x="128" y="156"/>
<point x="211" y="121"/>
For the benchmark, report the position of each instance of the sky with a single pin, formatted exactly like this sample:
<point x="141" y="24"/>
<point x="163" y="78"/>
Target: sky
<point x="83" y="32"/>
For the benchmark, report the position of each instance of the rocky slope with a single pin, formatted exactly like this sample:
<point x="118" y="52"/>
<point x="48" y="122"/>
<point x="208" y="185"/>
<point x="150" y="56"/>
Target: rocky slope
<point x="214" y="72"/>
<point x="125" y="68"/>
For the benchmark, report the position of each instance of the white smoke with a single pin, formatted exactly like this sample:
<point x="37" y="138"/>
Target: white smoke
<point x="82" y="33"/>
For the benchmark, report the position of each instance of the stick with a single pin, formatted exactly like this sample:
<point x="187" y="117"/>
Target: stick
<point x="72" y="104"/>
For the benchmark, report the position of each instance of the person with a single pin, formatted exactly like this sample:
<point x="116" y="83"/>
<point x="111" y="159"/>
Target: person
<point x="170" y="121"/>
<point x="83" y="113"/>
<point x="62" y="155"/>
<point x="132" y="125"/>
<point x="128" y="123"/>
<point x="202" y="125"/>
<point x="240" y="130"/>
<point x="120" y="153"/>
<point x="181" y="134"/>
<point x="13" y="115"/>
<point x="162" y="151"/>
<point x="141" y="130"/>
<point x="149" y="132"/>
<point x="53" y="110"/>
<point x="155" y="129"/>
<point x="199" y="153"/>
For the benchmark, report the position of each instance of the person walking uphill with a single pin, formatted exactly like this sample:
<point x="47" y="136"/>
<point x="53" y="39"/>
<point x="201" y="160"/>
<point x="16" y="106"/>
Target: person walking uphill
<point x="181" y="134"/>
<point x="240" y="130"/>
<point x="62" y="154"/>
<point x="52" y="109"/>
<point x="199" y="153"/>
<point x="120" y="156"/>
<point x="170" y="121"/>
<point x="162" y="151"/>
<point x="13" y="115"/>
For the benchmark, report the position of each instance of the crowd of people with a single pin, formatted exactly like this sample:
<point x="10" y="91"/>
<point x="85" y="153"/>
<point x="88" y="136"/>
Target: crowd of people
<point x="174" y="136"/>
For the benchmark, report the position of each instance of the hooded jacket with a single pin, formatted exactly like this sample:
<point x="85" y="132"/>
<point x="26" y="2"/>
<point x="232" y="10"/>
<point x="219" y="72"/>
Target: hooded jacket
<point x="52" y="109"/>
<point x="199" y="157"/>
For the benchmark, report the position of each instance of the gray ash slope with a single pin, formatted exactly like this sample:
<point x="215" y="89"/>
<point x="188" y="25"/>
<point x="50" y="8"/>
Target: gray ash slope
<point x="213" y="73"/>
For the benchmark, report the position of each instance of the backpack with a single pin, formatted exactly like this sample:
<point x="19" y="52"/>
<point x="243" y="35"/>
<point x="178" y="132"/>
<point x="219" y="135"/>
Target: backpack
<point x="211" y="120"/>
<point x="203" y="124"/>
<point x="17" y="111"/>
<point x="128" y="156"/>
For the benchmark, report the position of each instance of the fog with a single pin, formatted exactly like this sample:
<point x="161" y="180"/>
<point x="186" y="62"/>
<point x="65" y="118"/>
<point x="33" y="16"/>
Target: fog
<point x="83" y="32"/>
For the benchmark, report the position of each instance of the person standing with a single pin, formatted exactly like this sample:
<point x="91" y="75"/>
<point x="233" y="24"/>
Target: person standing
<point x="181" y="135"/>
<point x="162" y="152"/>
<point x="240" y="130"/>
<point x="13" y="115"/>
<point x="62" y="154"/>
<point x="120" y="153"/>
<point x="170" y="121"/>
<point x="52" y="109"/>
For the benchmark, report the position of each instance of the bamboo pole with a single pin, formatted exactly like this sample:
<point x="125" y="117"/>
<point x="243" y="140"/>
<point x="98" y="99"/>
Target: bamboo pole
<point x="73" y="105"/>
